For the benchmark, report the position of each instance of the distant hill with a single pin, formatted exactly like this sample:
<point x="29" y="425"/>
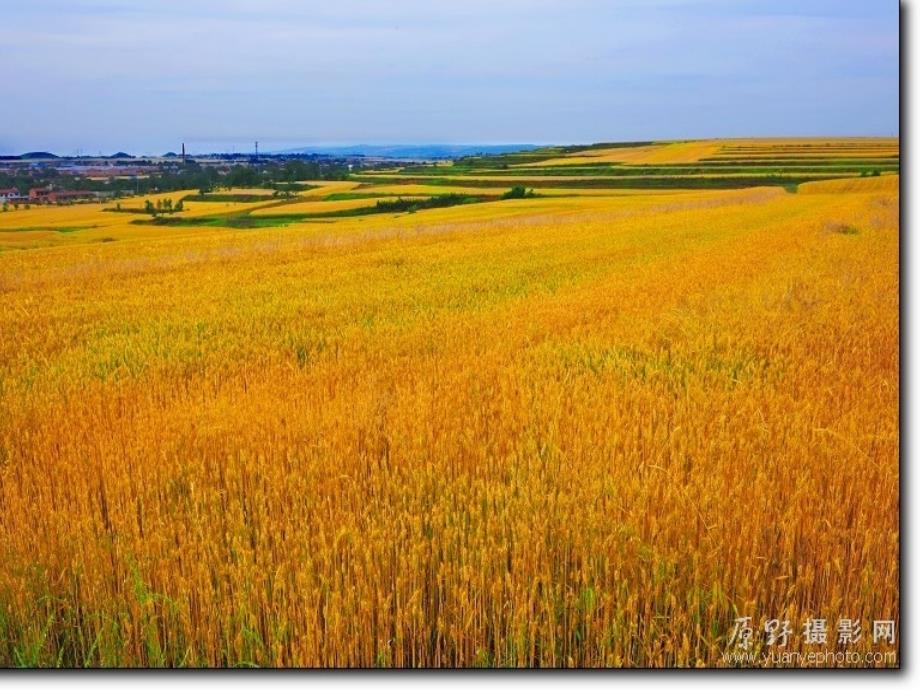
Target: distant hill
<point x="413" y="151"/>
<point x="37" y="154"/>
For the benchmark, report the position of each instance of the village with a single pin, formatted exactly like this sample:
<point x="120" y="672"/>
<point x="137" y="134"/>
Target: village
<point x="49" y="195"/>
<point x="42" y="178"/>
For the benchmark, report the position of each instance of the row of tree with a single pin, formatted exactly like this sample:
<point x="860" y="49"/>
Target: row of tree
<point x="163" y="206"/>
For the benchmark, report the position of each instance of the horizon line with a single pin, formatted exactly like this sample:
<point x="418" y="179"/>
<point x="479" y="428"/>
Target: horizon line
<point x="358" y="144"/>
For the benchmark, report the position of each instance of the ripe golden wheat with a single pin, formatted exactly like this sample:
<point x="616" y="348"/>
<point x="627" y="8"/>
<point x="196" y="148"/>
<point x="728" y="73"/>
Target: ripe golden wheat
<point x="584" y="431"/>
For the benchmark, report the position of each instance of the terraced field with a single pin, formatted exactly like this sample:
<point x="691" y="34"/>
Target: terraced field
<point x="719" y="164"/>
<point x="412" y="419"/>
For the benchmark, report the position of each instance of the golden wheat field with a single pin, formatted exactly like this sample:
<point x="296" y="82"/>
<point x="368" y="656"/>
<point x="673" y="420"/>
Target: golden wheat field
<point x="669" y="152"/>
<point x="584" y="430"/>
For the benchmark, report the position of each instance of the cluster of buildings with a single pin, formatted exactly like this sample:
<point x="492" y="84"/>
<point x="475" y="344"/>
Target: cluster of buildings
<point x="49" y="195"/>
<point x="11" y="195"/>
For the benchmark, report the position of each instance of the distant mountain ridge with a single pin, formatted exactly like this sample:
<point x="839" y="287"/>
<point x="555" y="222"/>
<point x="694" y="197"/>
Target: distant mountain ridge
<point x="412" y="151"/>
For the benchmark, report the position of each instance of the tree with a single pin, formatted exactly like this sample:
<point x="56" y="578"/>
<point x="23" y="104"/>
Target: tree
<point x="243" y="176"/>
<point x="517" y="192"/>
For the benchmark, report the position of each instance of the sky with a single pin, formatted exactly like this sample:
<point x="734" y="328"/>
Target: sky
<point x="93" y="76"/>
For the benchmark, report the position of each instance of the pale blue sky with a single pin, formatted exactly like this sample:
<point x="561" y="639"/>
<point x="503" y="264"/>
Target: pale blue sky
<point x="143" y="76"/>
